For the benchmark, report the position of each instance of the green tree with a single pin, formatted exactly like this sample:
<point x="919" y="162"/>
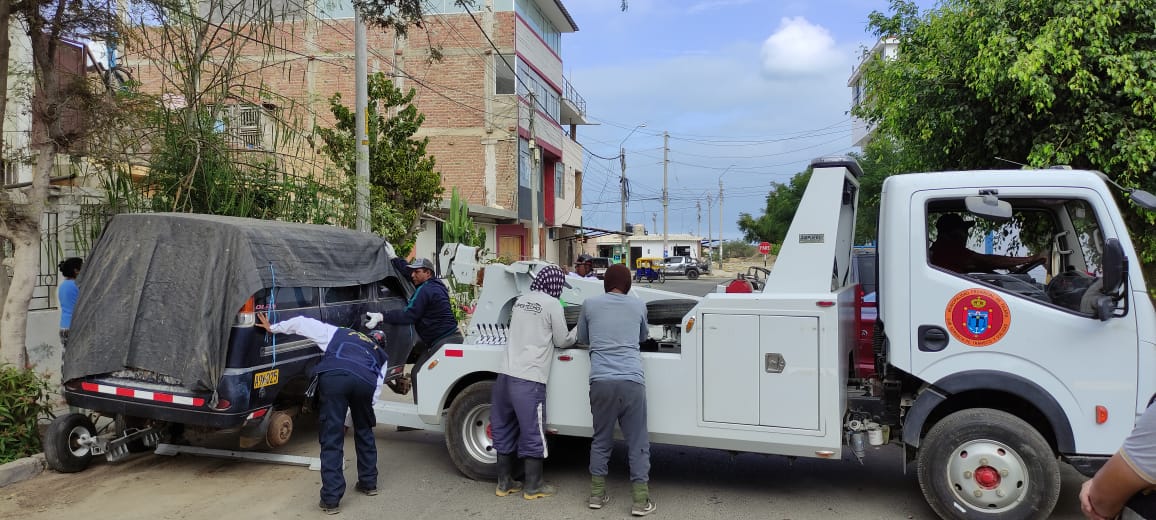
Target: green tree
<point x="1059" y="82"/>
<point x="782" y="202"/>
<point x="403" y="182"/>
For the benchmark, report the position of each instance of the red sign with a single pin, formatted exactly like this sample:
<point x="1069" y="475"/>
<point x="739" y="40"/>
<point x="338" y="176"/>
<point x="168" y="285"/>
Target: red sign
<point x="977" y="317"/>
<point x="765" y="248"/>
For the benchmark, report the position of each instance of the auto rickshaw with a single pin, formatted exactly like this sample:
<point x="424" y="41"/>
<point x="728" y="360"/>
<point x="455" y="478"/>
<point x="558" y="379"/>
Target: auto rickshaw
<point x="649" y="269"/>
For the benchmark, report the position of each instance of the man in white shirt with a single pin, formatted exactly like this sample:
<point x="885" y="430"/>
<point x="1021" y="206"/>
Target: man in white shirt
<point x="518" y="412"/>
<point x="583" y="267"/>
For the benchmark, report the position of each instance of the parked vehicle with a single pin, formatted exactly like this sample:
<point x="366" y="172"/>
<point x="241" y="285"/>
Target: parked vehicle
<point x="650" y="270"/>
<point x="753" y="280"/>
<point x="681" y="266"/>
<point x="163" y="339"/>
<point x="600" y="264"/>
<point x="988" y="380"/>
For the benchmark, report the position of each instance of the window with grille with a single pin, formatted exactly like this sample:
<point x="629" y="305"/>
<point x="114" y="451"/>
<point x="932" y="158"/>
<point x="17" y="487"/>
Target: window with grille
<point x="10" y="173"/>
<point x="242" y="125"/>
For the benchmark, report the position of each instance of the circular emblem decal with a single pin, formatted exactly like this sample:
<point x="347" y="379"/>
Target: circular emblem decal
<point x="977" y="317"/>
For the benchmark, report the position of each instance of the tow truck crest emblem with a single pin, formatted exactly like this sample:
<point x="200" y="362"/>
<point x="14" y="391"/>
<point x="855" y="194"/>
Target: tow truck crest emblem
<point x="977" y="317"/>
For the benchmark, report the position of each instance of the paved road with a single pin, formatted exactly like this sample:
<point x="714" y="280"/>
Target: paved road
<point x="419" y="482"/>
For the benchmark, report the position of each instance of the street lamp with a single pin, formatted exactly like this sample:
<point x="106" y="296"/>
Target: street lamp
<point x="622" y="181"/>
<point x="720" y="215"/>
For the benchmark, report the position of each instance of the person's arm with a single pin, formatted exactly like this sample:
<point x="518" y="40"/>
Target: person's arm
<point x="1104" y="496"/>
<point x="317" y="331"/>
<point x="644" y="328"/>
<point x="401" y="266"/>
<point x="413" y="311"/>
<point x="562" y="338"/>
<point x="581" y="331"/>
<point x="982" y="262"/>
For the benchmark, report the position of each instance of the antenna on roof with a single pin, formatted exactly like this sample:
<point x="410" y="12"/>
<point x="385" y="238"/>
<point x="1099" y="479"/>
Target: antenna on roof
<point x="1021" y="165"/>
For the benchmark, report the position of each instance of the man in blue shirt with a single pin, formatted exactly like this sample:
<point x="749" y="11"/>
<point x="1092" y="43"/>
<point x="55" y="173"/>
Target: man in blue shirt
<point x="428" y="311"/>
<point x="67" y="293"/>
<point x="614" y="325"/>
<point x="349" y="377"/>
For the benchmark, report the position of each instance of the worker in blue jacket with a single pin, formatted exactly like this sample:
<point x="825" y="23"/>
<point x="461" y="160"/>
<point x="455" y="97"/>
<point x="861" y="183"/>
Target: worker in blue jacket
<point x="349" y="378"/>
<point x="428" y="311"/>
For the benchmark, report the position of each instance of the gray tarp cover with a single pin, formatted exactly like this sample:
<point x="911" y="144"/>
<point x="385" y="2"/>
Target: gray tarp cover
<point x="159" y="291"/>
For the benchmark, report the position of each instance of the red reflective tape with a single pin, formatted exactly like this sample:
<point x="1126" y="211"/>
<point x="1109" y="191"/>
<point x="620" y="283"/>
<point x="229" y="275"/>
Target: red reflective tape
<point x="89" y="387"/>
<point x="125" y="392"/>
<point x="455" y="352"/>
<point x="164" y="398"/>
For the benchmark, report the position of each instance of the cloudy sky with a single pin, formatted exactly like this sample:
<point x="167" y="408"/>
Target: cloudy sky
<point x="749" y="90"/>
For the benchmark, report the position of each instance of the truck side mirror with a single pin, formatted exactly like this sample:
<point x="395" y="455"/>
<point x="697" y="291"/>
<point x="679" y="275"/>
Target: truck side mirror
<point x="1105" y="307"/>
<point x="1143" y="199"/>
<point x="1115" y="266"/>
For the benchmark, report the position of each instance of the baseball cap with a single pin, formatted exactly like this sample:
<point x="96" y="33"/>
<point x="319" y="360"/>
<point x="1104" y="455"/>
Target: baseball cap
<point x="952" y="221"/>
<point x="422" y="263"/>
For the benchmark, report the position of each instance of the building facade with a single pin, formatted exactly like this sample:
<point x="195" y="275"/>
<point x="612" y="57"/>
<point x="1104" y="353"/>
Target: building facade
<point x="862" y="131"/>
<point x="499" y="115"/>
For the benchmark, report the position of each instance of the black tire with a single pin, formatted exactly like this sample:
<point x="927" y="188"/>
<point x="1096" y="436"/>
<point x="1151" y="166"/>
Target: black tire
<point x="691" y="274"/>
<point x="668" y="312"/>
<point x="62" y="447"/>
<point x="994" y="453"/>
<point x="468" y="432"/>
<point x="572" y="311"/>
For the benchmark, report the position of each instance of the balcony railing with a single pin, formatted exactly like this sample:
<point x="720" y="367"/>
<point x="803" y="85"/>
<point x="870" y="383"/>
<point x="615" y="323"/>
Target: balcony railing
<point x="571" y="94"/>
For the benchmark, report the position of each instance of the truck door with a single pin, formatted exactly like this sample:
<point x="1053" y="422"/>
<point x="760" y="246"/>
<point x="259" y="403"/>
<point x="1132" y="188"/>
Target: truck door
<point x="975" y="316"/>
<point x="761" y="370"/>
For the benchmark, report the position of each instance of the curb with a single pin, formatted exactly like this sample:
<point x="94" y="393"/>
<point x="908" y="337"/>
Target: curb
<point x="20" y="470"/>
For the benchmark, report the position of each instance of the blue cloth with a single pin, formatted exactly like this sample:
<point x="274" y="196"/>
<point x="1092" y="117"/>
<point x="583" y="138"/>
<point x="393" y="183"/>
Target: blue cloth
<point x="338" y="392"/>
<point x="67" y="294"/>
<point x="428" y="310"/>
<point x="353" y="352"/>
<point x="614" y="325"/>
<point x="518" y="417"/>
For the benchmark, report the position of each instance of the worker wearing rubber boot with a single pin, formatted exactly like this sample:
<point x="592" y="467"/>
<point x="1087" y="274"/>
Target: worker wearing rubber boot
<point x="614" y="325"/>
<point x="518" y="413"/>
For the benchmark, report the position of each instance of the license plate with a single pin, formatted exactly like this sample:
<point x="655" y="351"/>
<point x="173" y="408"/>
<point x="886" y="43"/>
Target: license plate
<point x="266" y="378"/>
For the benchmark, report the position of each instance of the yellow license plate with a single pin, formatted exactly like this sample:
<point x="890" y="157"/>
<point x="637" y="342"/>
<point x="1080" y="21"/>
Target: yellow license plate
<point x="266" y="378"/>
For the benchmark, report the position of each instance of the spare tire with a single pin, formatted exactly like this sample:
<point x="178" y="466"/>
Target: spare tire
<point x="572" y="311"/>
<point x="668" y="312"/>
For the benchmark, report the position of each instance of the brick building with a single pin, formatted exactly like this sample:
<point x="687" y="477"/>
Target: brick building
<point x="475" y="97"/>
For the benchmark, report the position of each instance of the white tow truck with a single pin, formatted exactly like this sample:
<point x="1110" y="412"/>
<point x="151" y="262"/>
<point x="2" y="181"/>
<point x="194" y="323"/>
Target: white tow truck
<point x="989" y="380"/>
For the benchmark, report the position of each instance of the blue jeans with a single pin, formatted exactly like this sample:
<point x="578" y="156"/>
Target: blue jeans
<point x="518" y="417"/>
<point x="339" y="391"/>
<point x="622" y="402"/>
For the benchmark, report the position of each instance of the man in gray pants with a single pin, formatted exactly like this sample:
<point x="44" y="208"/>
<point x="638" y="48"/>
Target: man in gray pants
<point x="614" y="324"/>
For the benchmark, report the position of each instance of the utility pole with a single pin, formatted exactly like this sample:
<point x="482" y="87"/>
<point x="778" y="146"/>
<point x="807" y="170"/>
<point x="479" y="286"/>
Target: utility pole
<point x="720" y="221"/>
<point x="653" y="220"/>
<point x="710" y="207"/>
<point x="622" y="182"/>
<point x="534" y="165"/>
<point x="665" y="191"/>
<point x="361" y="120"/>
<point x="698" y="210"/>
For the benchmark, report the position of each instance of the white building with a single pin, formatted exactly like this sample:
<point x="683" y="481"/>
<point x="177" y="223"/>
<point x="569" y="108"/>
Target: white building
<point x="861" y="130"/>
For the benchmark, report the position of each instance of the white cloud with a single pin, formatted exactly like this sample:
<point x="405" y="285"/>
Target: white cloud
<point x="799" y="48"/>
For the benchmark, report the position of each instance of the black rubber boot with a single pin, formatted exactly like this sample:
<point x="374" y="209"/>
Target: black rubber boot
<point x="535" y="487"/>
<point x="506" y="483"/>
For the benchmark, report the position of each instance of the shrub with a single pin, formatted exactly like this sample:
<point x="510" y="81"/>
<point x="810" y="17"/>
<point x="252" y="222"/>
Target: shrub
<point x="23" y="401"/>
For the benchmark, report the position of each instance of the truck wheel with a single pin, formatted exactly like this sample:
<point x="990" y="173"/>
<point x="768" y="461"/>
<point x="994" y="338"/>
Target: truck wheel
<point x="65" y="447"/>
<point x="984" y="463"/>
<point x="668" y="312"/>
<point x="691" y="274"/>
<point x="468" y="436"/>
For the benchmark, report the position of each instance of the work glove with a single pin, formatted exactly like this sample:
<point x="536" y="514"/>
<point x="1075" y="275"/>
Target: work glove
<point x="371" y="319"/>
<point x="389" y="250"/>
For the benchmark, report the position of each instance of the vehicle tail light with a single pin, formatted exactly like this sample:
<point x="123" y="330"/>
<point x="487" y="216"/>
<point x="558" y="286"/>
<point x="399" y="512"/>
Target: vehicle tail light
<point x="257" y="414"/>
<point x="246" y="317"/>
<point x="223" y="404"/>
<point x="1101" y="414"/>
